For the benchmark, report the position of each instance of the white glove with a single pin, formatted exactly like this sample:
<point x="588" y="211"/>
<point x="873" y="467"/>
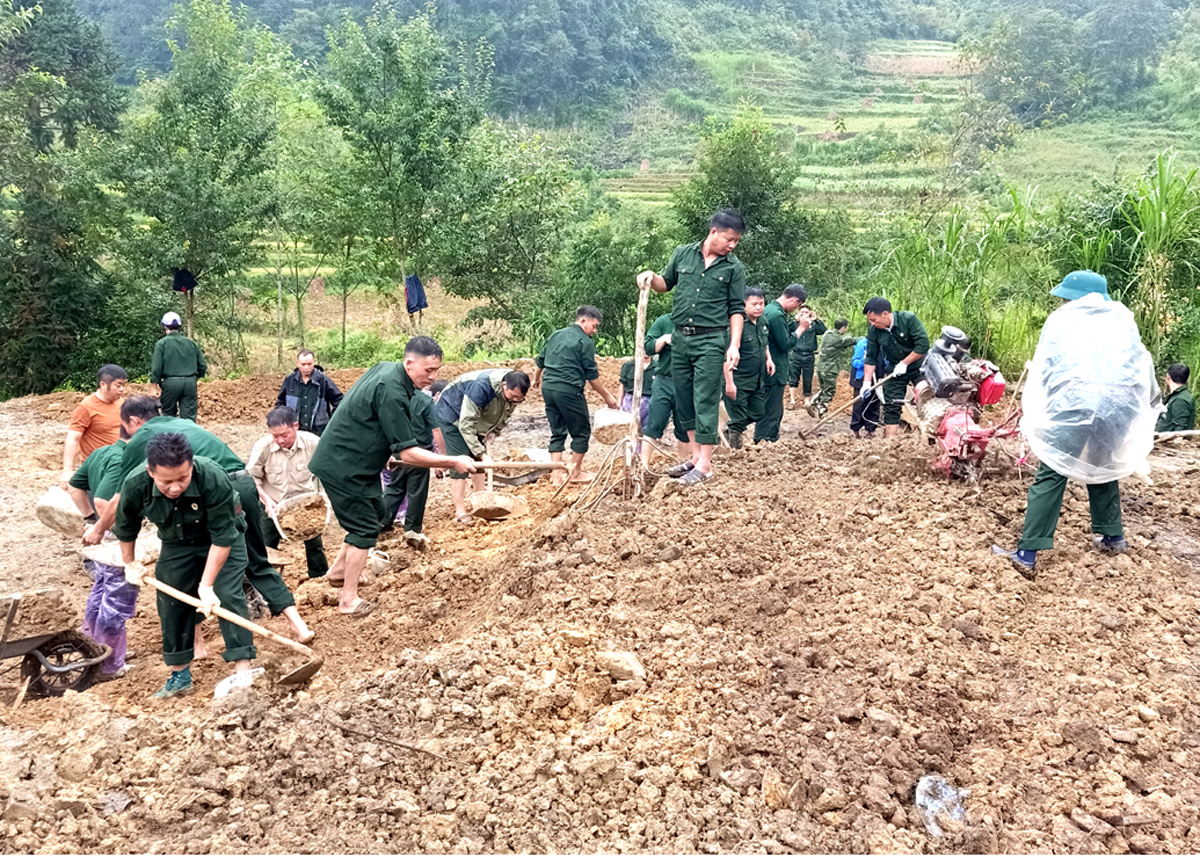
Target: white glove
<point x="901" y="369"/>
<point x="208" y="600"/>
<point x="135" y="573"/>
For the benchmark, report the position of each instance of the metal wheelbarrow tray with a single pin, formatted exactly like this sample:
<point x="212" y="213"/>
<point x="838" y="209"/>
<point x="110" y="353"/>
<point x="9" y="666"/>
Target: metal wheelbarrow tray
<point x="40" y="628"/>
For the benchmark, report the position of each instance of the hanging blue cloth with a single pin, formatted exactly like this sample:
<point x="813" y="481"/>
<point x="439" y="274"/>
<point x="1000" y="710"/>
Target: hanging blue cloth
<point x="414" y="294"/>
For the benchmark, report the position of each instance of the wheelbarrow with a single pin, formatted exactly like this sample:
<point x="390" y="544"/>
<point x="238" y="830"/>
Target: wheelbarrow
<point x="52" y="661"/>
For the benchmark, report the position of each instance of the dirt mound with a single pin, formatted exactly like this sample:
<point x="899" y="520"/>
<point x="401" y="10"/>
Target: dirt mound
<point x="766" y="662"/>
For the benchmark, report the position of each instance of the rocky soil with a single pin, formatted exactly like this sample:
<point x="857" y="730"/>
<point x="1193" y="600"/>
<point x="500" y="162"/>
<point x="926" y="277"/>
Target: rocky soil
<point x="768" y="662"/>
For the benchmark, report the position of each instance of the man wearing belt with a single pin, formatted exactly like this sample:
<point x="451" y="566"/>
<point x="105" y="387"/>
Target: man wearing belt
<point x="140" y="419"/>
<point x="568" y="360"/>
<point x="203" y="553"/>
<point x="310" y="393"/>
<point x="708" y="311"/>
<point x="901" y="339"/>
<point x="373" y="424"/>
<point x="803" y="359"/>
<point x="783" y="332"/>
<point x="662" y="390"/>
<point x="472" y="410"/>
<point x="175" y="366"/>
<point x="745" y="387"/>
<point x="279" y="467"/>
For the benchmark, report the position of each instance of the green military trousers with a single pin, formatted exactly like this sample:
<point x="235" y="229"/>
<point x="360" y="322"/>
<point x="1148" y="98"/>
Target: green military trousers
<point x="413" y="483"/>
<point x="662" y="409"/>
<point x="178" y="397"/>
<point x="800" y="367"/>
<point x="827" y="378"/>
<point x="747" y="408"/>
<point x="182" y="566"/>
<point x="1045" y="502"/>
<point x="767" y="427"/>
<point x="314" y="551"/>
<point x="567" y="413"/>
<point x="262" y="575"/>
<point x="698" y="367"/>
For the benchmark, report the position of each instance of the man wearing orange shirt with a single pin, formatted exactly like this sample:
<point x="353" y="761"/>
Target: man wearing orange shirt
<point x="96" y="421"/>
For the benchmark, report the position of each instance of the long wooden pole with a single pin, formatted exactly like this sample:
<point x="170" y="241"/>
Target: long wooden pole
<point x="635" y="425"/>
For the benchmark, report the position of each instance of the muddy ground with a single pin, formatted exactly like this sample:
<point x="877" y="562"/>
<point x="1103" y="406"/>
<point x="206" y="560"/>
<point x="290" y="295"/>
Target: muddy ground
<point x="765" y="663"/>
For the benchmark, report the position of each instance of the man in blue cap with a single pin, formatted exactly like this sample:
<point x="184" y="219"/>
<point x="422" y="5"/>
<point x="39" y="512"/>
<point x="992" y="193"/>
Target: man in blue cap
<point x="1088" y="414"/>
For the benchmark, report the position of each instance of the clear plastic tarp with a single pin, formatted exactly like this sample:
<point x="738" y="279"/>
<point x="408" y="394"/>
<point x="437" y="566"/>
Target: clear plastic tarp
<point x="1091" y="399"/>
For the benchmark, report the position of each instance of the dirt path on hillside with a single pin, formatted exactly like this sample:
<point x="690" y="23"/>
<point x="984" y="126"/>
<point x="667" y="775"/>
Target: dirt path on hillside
<point x="766" y="663"/>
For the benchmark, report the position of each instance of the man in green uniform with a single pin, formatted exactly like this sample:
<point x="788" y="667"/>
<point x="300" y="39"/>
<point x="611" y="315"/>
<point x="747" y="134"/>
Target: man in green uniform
<point x="407" y="481"/>
<point x="372" y="424"/>
<point x="1091" y="388"/>
<point x="175" y="366"/>
<point x="836" y="347"/>
<point x="783" y="333"/>
<point x="471" y="412"/>
<point x="902" y="340"/>
<point x="708" y="309"/>
<point x="203" y="554"/>
<point x="746" y="386"/>
<point x="803" y="358"/>
<point x="141" y="421"/>
<point x="568" y="361"/>
<point x="662" y="390"/>
<point x="85" y="481"/>
<point x="1180" y="414"/>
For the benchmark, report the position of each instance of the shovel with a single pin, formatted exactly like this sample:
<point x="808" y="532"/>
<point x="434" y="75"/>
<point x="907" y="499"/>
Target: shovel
<point x="297" y="676"/>
<point x="804" y="433"/>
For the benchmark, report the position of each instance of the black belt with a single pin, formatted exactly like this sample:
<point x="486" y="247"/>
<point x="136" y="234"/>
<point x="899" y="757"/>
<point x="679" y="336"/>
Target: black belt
<point x="179" y="376"/>
<point x="692" y="331"/>
<point x="237" y="474"/>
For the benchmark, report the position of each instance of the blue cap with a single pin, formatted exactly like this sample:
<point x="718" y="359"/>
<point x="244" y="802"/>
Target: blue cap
<point x="1079" y="283"/>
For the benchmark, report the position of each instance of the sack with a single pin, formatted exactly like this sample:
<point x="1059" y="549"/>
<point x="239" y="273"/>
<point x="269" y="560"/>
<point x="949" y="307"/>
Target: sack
<point x="145" y="550"/>
<point x="610" y="425"/>
<point x="302" y="517"/>
<point x="57" y="511"/>
<point x="1089" y="405"/>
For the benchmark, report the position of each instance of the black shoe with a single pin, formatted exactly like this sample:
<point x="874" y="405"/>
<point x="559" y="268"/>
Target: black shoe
<point x="735" y="439"/>
<point x="1025" y="569"/>
<point x="1110" y="544"/>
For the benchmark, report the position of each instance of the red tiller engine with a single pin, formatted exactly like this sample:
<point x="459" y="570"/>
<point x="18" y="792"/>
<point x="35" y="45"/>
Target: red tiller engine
<point x="950" y="400"/>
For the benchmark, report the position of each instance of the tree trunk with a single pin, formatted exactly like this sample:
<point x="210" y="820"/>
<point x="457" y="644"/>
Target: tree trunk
<point x="189" y="309"/>
<point x="345" y="299"/>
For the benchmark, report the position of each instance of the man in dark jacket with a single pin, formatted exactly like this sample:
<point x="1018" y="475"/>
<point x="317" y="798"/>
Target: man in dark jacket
<point x="310" y="393"/>
<point x="1180" y="414"/>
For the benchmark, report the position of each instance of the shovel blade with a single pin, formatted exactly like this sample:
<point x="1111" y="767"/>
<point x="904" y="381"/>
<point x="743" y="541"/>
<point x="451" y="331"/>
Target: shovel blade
<point x="302" y="673"/>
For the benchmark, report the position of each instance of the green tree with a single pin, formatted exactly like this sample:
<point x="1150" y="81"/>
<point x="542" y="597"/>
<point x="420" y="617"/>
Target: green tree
<point x="741" y="166"/>
<point x="196" y="164"/>
<point x="503" y="221"/>
<point x="406" y="111"/>
<point x="55" y="85"/>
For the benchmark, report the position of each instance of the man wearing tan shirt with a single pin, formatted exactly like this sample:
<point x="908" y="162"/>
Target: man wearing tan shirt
<point x="96" y="421"/>
<point x="279" y="466"/>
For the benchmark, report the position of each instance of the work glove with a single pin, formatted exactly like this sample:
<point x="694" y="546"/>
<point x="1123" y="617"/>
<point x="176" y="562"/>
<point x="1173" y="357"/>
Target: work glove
<point x="135" y="573"/>
<point x="208" y="600"/>
<point x="900" y="370"/>
<point x="867" y="393"/>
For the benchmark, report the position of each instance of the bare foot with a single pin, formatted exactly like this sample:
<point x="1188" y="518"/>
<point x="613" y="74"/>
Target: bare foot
<point x="582" y="477"/>
<point x="199" y="647"/>
<point x="558" y="479"/>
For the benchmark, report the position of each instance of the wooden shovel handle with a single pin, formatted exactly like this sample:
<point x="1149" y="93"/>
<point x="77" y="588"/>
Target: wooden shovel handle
<point x="228" y="616"/>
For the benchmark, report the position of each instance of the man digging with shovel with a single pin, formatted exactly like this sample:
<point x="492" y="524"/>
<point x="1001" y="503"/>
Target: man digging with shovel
<point x="203" y="552"/>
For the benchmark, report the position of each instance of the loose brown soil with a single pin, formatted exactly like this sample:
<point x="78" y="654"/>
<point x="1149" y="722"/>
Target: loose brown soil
<point x="767" y="662"/>
<point x="304" y="519"/>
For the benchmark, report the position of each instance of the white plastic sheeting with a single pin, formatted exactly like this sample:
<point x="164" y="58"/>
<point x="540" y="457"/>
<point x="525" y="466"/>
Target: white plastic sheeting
<point x="1091" y="399"/>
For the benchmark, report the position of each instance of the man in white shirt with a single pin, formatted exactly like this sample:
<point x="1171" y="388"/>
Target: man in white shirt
<point x="279" y="466"/>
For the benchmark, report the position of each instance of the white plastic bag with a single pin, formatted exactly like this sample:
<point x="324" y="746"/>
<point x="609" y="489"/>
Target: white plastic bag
<point x="1089" y="404"/>
<point x="610" y="425"/>
<point x="57" y="511"/>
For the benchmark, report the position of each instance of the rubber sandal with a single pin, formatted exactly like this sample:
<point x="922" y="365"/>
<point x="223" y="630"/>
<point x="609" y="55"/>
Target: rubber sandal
<point x="694" y="477"/>
<point x="465" y="520"/>
<point x="362" y="608"/>
<point x="677" y="470"/>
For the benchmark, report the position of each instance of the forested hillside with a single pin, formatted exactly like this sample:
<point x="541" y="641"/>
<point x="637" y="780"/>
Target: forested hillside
<point x="957" y="156"/>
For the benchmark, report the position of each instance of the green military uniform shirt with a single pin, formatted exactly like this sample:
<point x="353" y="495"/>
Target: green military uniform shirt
<point x="807" y="341"/>
<point x="661" y="327"/>
<point x="627" y="377"/>
<point x="834" y="345"/>
<point x="203" y="442"/>
<point x="373" y="422"/>
<point x="752" y="355"/>
<point x="905" y="336"/>
<point x="704" y="297"/>
<point x="422" y="419"/>
<point x="205" y="513"/>
<point x="91" y="472"/>
<point x="568" y="359"/>
<point x="176" y="356"/>
<point x="781" y="339"/>
<point x="1180" y="414"/>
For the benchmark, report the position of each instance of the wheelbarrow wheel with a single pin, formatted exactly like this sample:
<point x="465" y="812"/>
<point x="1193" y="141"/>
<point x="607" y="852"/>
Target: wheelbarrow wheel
<point x="63" y="650"/>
